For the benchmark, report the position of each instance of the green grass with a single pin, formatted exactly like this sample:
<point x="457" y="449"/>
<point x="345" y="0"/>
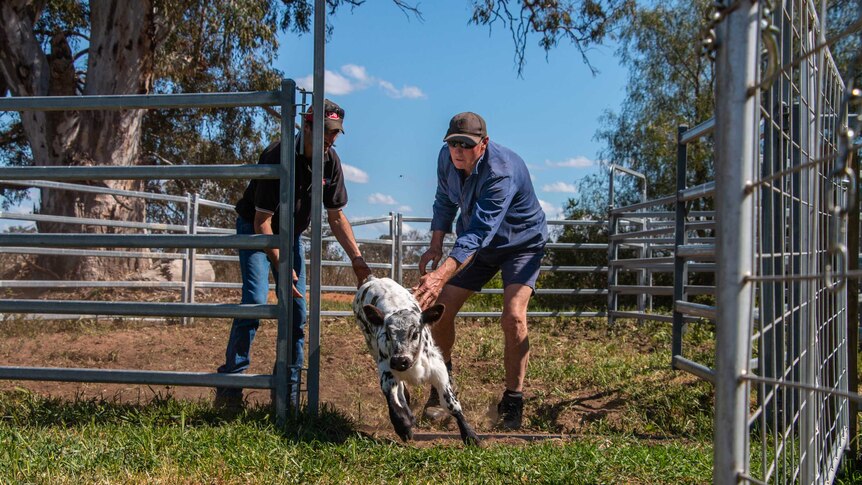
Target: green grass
<point x="48" y="441"/>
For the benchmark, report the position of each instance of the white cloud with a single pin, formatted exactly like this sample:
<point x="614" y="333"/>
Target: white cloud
<point x="356" y="78"/>
<point x="378" y="198"/>
<point x="551" y="211"/>
<point x="410" y="92"/>
<point x="357" y="72"/>
<point x="405" y="208"/>
<point x="560" y="187"/>
<point x="334" y="84"/>
<point x="575" y="162"/>
<point x="353" y="174"/>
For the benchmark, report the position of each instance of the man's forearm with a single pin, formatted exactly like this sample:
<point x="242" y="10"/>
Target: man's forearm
<point x="437" y="239"/>
<point x="343" y="233"/>
<point x="451" y="267"/>
<point x="263" y="225"/>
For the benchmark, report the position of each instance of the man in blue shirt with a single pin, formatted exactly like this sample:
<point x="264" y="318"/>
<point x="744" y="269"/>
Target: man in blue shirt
<point x="501" y="227"/>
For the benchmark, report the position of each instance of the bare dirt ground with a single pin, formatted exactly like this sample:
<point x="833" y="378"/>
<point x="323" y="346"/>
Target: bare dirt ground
<point x="348" y="376"/>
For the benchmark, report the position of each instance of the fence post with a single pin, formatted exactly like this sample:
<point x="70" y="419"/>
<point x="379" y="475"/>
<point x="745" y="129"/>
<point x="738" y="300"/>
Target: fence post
<point x="680" y="275"/>
<point x="736" y="117"/>
<point x="286" y="239"/>
<point x="612" y="273"/>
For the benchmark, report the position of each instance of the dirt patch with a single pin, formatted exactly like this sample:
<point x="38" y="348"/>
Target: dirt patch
<point x="348" y="376"/>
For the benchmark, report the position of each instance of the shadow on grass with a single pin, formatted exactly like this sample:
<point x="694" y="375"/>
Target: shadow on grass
<point x="21" y="408"/>
<point x="590" y="408"/>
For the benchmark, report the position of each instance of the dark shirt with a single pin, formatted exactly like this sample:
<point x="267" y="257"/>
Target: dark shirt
<point x="499" y="208"/>
<point x="263" y="194"/>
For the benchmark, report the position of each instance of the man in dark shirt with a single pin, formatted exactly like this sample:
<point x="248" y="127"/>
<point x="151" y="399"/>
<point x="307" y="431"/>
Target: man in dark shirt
<point x="501" y="227"/>
<point x="257" y="213"/>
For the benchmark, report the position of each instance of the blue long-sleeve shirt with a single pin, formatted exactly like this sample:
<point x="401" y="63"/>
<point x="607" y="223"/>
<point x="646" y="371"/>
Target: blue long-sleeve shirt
<point x="499" y="208"/>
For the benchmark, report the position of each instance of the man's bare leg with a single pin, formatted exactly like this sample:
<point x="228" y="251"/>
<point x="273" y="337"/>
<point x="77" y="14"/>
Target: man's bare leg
<point x="516" y="353"/>
<point x="516" y="297"/>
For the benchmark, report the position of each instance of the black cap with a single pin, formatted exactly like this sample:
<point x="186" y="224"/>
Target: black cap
<point x="467" y="127"/>
<point x="333" y="116"/>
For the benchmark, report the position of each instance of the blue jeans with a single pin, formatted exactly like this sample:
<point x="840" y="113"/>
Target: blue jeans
<point x="255" y="268"/>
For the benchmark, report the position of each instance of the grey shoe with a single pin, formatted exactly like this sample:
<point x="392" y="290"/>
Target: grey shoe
<point x="511" y="411"/>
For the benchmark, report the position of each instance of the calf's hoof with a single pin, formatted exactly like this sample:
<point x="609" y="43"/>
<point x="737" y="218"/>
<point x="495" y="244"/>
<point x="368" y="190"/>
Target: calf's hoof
<point x="472" y="440"/>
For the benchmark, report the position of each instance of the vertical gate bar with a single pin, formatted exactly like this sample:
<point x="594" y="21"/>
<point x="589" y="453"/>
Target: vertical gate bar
<point x="393" y="246"/>
<point x="853" y="317"/>
<point x="736" y="116"/>
<point x="286" y="236"/>
<point x="316" y="208"/>
<point x="192" y="254"/>
<point x="680" y="213"/>
<point x="399" y="236"/>
<point x="612" y="274"/>
<point x="186" y="256"/>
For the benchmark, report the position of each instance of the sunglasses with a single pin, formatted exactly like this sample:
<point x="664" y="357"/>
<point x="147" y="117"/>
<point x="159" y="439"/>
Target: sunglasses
<point x="461" y="144"/>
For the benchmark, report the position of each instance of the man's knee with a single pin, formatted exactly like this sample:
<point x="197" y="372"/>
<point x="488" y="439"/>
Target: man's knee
<point x="514" y="328"/>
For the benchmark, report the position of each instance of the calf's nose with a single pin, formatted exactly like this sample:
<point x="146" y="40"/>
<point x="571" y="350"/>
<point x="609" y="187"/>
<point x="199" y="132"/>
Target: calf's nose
<point x="399" y="363"/>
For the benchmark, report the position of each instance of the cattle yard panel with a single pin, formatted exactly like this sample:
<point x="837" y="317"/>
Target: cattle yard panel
<point x="285" y="99"/>
<point x="785" y="189"/>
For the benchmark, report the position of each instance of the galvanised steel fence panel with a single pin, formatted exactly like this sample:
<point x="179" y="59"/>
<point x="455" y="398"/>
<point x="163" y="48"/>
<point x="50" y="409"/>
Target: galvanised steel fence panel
<point x="285" y="98"/>
<point x="785" y="189"/>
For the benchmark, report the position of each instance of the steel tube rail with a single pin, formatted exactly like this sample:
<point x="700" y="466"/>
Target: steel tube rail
<point x="376" y="220"/>
<point x="697" y="192"/>
<point x="74" y="307"/>
<point x="127" y="376"/>
<point x="499" y="291"/>
<point x="97" y="253"/>
<point x="736" y="116"/>
<point x="45" y="184"/>
<point x="666" y="200"/>
<point x="139" y="101"/>
<point x="692" y="367"/>
<point x="583" y="314"/>
<point x="703" y="129"/>
<point x="695" y="309"/>
<point x="89" y="284"/>
<point x="154" y="226"/>
<point x="255" y="241"/>
<point x="142" y="172"/>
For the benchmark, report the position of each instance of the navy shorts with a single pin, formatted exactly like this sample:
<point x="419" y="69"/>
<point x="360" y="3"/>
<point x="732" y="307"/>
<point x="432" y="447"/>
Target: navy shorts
<point x="519" y="266"/>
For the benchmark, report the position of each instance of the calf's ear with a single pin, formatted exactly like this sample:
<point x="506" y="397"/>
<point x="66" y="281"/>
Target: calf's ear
<point x="431" y="315"/>
<point x="373" y="314"/>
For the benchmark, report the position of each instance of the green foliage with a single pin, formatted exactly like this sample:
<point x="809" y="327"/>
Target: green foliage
<point x="670" y="84"/>
<point x="583" y="23"/>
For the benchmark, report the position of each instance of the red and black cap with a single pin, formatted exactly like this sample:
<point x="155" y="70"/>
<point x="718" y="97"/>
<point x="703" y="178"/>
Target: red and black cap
<point x="333" y="116"/>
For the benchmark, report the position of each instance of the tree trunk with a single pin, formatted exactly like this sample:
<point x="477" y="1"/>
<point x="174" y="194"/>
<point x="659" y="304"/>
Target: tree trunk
<point x="120" y="61"/>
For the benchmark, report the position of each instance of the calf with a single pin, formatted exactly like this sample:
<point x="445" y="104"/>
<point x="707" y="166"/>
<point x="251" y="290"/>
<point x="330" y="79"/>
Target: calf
<point x="398" y="338"/>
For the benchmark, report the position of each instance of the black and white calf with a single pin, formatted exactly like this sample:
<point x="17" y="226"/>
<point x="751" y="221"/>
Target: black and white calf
<point x="398" y="338"/>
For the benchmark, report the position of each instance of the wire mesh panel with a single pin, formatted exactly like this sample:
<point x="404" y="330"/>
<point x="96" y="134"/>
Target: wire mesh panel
<point x="795" y="371"/>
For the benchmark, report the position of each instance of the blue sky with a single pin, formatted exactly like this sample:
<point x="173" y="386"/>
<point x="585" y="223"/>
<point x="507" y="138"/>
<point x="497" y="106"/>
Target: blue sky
<point x="400" y="80"/>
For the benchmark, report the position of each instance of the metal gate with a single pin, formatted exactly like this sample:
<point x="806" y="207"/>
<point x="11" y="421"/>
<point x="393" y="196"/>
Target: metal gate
<point x="785" y="189"/>
<point x="285" y="98"/>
